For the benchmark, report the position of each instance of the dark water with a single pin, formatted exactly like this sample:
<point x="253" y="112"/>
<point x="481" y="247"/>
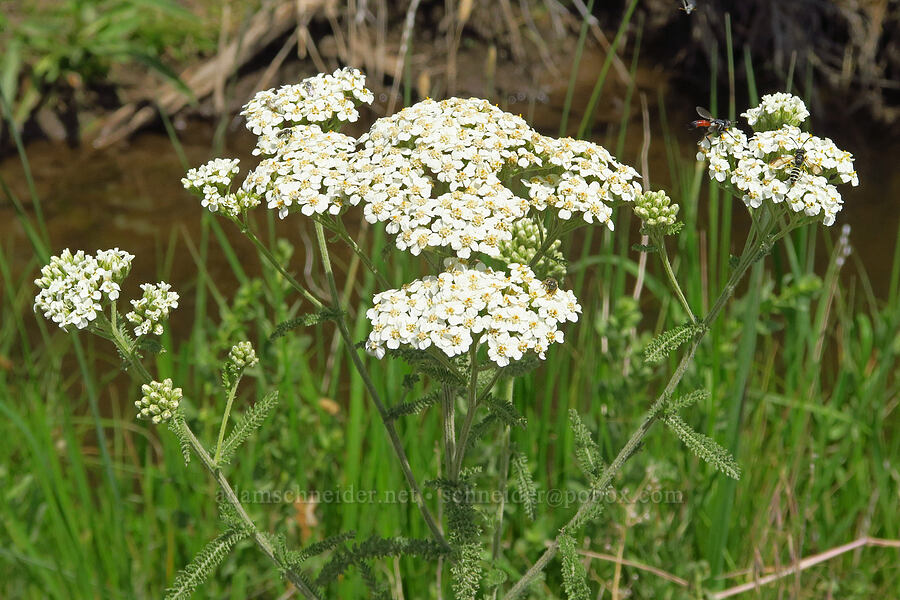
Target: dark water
<point x="131" y="196"/>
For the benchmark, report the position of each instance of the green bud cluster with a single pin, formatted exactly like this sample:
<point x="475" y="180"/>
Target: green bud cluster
<point x="242" y="356"/>
<point x="525" y="243"/>
<point x="656" y="210"/>
<point x="160" y="401"/>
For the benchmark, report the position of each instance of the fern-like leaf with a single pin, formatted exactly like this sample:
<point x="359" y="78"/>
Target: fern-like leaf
<point x="573" y="573"/>
<point x="248" y="424"/>
<point x="295" y="557"/>
<point x="177" y="426"/>
<point x="307" y="320"/>
<point x="203" y="564"/>
<point x="505" y="411"/>
<point x="376" y="547"/>
<point x="704" y="447"/>
<point x="644" y="248"/>
<point x="686" y="400"/>
<point x="414" y="406"/>
<point x="663" y="344"/>
<point x="524" y="483"/>
<point x="587" y="452"/>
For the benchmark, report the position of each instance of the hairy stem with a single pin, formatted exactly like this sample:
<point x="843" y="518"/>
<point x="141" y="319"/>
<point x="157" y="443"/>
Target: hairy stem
<point x="749" y="255"/>
<point x="670" y="274"/>
<point x="471" y="407"/>
<point x="373" y="392"/>
<point x="267" y="254"/>
<point x="224" y="426"/>
<point x="128" y="351"/>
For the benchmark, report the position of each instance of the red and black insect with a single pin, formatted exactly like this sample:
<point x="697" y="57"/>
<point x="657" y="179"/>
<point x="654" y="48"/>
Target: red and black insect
<point x="713" y="125"/>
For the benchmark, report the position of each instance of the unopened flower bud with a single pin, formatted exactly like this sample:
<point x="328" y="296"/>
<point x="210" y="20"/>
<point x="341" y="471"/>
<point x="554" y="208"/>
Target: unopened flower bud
<point x="656" y="210"/>
<point x="159" y="402"/>
<point x="242" y="356"/>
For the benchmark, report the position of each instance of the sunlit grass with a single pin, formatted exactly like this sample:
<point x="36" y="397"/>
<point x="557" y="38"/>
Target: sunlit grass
<point x="95" y="504"/>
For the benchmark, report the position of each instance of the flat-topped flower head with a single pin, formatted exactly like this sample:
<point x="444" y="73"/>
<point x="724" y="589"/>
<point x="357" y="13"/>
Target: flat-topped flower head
<point x="159" y="401"/>
<point x="212" y="182"/>
<point x="776" y="110"/>
<point x="586" y="181"/>
<point x="434" y="172"/>
<point x="784" y="166"/>
<point x="306" y="171"/>
<point x="512" y="312"/>
<point x="151" y="309"/>
<point x="75" y="287"/>
<point x="321" y="99"/>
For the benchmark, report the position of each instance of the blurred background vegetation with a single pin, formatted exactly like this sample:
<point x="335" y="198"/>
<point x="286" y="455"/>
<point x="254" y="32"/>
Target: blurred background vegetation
<point x="108" y="102"/>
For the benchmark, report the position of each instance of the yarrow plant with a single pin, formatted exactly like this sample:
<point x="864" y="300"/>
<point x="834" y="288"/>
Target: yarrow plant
<point x="792" y="172"/>
<point x="514" y="314"/>
<point x="486" y="200"/>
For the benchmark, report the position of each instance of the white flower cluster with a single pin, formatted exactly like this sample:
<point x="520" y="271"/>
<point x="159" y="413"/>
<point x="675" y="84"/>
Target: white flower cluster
<point x="316" y="99"/>
<point x="212" y="182"/>
<point x="783" y="165"/>
<point x="151" y="309"/>
<point x="308" y="170"/>
<point x="514" y="313"/>
<point x="590" y="181"/>
<point x="74" y="286"/>
<point x="159" y="402"/>
<point x="433" y="172"/>
<point x="775" y="110"/>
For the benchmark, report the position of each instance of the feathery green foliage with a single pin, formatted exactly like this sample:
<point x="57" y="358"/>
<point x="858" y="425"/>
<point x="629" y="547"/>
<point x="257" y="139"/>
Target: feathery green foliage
<point x="587" y="452"/>
<point x="464" y="535"/>
<point x="425" y="363"/>
<point x="308" y="320"/>
<point x="686" y="400"/>
<point x="524" y="483"/>
<point x="176" y="426"/>
<point x="294" y="558"/>
<point x="247" y="425"/>
<point x="574" y="575"/>
<point x="414" y="407"/>
<point x="662" y="345"/>
<point x="376" y="547"/>
<point x="204" y="563"/>
<point x="704" y="447"/>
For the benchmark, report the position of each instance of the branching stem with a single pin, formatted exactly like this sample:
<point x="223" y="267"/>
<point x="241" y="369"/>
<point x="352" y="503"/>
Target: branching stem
<point x="755" y="242"/>
<point x="373" y="392"/>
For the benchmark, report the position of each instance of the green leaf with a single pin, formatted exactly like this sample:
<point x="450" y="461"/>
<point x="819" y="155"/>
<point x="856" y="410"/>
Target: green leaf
<point x="644" y="248"/>
<point x="307" y="320"/>
<point x="663" y="344"/>
<point x="203" y="564"/>
<point x="415" y="406"/>
<point x="686" y="400"/>
<point x="247" y="426"/>
<point x="573" y="573"/>
<point x="704" y="447"/>
<point x="524" y="483"/>
<point x="587" y="452"/>
<point x="178" y="427"/>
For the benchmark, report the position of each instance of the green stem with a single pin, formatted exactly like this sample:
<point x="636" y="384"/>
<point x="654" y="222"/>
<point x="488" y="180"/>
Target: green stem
<point x="373" y="392"/>
<point x="660" y="243"/>
<point x="503" y="475"/>
<point x="471" y="407"/>
<point x="211" y="466"/>
<point x="748" y="257"/>
<point x="341" y="231"/>
<point x="245" y="229"/>
<point x="224" y="426"/>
